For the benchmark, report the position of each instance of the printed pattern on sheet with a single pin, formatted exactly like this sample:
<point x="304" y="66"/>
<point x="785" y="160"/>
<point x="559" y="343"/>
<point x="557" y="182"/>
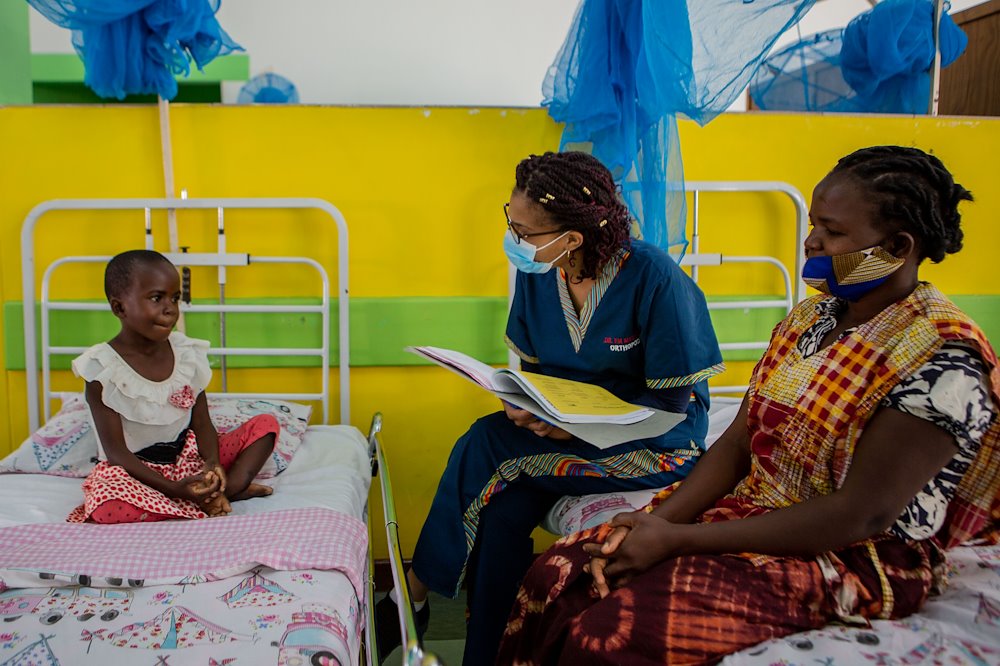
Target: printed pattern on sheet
<point x="81" y="625"/>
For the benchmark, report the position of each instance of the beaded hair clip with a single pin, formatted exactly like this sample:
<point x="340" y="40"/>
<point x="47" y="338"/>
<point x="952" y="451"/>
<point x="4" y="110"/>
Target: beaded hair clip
<point x="547" y="198"/>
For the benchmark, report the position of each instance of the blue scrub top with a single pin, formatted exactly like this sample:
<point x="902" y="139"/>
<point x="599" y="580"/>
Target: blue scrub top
<point x="645" y="326"/>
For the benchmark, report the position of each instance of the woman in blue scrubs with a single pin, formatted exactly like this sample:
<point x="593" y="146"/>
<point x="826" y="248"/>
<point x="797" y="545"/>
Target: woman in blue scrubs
<point x="591" y="304"/>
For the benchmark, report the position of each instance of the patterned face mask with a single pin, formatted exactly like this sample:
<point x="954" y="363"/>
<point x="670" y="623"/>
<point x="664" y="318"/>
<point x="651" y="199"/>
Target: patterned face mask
<point x="850" y="275"/>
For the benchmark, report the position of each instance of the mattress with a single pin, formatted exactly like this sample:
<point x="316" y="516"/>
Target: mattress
<point x="296" y="599"/>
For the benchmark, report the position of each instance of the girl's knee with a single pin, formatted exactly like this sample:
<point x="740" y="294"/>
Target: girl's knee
<point x="263" y="425"/>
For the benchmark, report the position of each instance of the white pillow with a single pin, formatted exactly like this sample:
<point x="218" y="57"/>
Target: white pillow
<point x="64" y="446"/>
<point x="230" y="413"/>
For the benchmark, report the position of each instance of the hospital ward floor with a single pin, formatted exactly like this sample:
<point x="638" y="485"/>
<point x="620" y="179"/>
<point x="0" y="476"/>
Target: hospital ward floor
<point x="445" y="636"/>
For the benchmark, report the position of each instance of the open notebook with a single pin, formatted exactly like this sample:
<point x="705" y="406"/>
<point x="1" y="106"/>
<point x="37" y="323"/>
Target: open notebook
<point x="587" y="411"/>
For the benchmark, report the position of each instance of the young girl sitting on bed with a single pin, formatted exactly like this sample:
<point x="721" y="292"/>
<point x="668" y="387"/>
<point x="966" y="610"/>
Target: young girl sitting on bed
<point x="160" y="456"/>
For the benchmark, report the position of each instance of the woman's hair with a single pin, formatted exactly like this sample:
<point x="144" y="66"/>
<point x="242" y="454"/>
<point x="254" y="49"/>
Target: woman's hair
<point x="118" y="274"/>
<point x="579" y="194"/>
<point x="913" y="192"/>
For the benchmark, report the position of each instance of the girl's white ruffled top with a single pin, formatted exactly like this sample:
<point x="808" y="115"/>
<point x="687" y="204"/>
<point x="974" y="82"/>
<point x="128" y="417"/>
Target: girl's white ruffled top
<point x="151" y="412"/>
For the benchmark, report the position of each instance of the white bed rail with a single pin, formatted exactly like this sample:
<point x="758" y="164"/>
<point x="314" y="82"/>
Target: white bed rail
<point x="221" y="260"/>
<point x="801" y="225"/>
<point x="695" y="259"/>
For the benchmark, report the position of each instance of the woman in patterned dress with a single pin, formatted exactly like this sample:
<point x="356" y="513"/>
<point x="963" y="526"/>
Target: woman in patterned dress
<point x="868" y="442"/>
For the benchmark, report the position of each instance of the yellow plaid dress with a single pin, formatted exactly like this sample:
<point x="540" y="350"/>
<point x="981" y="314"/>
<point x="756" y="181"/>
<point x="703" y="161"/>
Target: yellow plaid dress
<point x="807" y="413"/>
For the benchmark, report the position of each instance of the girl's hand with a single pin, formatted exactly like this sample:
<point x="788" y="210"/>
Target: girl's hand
<point x="217" y="504"/>
<point x="198" y="488"/>
<point x="216" y="467"/>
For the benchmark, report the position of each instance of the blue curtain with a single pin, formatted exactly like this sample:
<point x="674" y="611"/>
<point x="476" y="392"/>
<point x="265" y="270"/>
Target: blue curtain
<point x="628" y="67"/>
<point x="138" y="46"/>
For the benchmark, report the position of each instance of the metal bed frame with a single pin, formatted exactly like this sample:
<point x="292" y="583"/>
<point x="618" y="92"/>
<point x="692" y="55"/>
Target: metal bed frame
<point x="222" y="260"/>
<point x="695" y="259"/>
<point x="413" y="653"/>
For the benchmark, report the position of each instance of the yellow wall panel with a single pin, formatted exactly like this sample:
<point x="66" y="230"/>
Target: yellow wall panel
<point x="801" y="148"/>
<point x="421" y="190"/>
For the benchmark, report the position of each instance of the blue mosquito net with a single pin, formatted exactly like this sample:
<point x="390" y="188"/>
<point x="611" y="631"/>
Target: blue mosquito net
<point x="268" y="88"/>
<point x="805" y="76"/>
<point x="879" y="63"/>
<point x="138" y="46"/>
<point x="628" y="67"/>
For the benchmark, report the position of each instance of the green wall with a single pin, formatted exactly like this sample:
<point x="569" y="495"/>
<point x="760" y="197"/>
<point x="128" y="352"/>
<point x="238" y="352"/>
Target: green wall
<point x="15" y="53"/>
<point x="382" y="327"/>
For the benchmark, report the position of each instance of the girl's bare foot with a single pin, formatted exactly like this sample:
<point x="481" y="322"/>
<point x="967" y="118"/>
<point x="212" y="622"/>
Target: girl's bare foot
<point x="253" y="490"/>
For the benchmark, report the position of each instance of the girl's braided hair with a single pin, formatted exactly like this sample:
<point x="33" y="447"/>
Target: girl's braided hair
<point x="579" y="194"/>
<point x="913" y="192"/>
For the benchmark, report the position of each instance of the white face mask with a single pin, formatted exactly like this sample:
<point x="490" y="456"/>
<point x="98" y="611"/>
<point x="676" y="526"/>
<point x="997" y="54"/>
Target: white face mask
<point x="522" y="255"/>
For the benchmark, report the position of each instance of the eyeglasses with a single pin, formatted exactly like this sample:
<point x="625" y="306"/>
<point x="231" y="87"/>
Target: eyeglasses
<point x="517" y="236"/>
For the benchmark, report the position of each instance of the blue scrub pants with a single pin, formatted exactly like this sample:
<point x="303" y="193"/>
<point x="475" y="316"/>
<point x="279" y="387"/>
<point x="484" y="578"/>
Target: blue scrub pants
<point x="517" y="466"/>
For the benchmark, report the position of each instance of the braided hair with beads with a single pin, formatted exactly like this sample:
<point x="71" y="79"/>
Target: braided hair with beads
<point x="913" y="192"/>
<point x="579" y="194"/>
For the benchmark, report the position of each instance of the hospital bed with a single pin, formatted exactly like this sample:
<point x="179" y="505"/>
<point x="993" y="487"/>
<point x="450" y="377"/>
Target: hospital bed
<point x="285" y="579"/>
<point x="961" y="625"/>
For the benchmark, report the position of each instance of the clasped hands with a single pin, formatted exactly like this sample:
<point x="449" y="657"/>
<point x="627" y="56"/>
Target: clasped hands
<point x="207" y="489"/>
<point x="631" y="544"/>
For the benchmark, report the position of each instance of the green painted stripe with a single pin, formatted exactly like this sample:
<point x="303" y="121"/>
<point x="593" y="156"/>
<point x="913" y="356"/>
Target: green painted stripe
<point x="985" y="311"/>
<point x="56" y="67"/>
<point x="78" y="93"/>
<point x="68" y="68"/>
<point x="15" y="54"/>
<point x="382" y="327"/>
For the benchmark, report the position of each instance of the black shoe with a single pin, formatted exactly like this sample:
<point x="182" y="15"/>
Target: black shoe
<point x="387" y="625"/>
